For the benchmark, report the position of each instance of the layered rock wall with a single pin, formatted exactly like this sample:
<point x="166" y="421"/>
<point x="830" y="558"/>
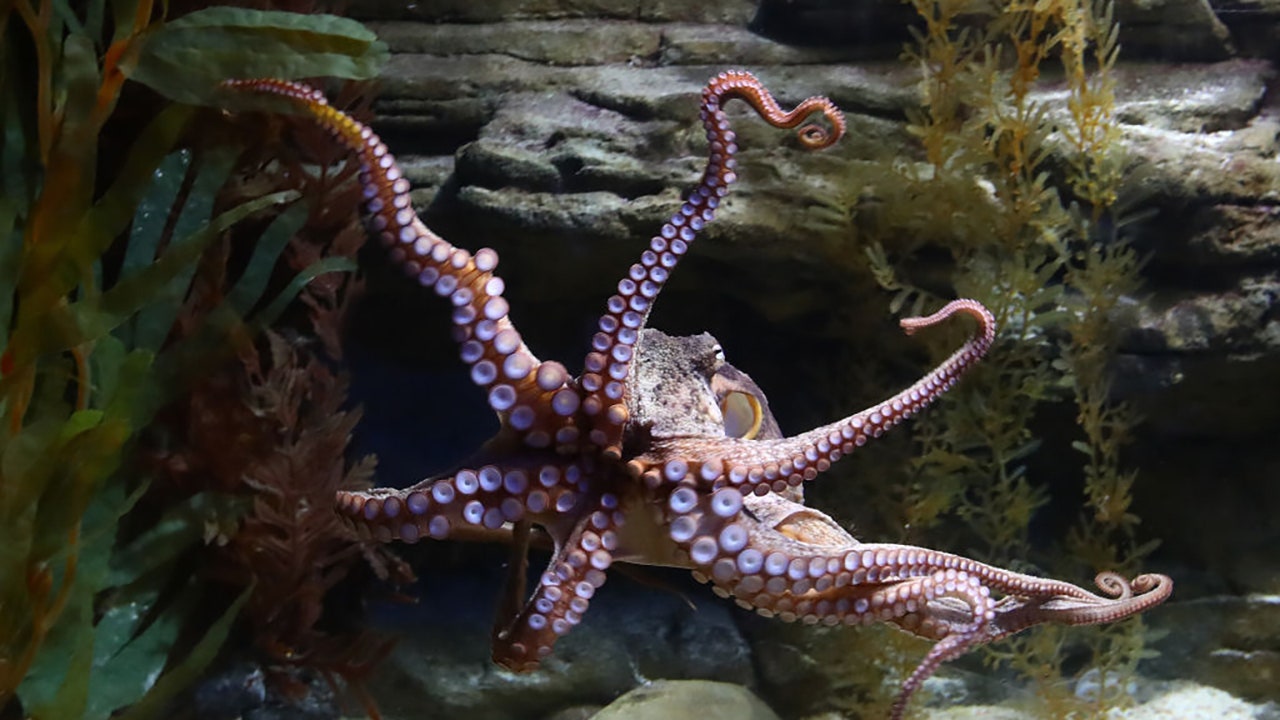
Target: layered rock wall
<point x="562" y="133"/>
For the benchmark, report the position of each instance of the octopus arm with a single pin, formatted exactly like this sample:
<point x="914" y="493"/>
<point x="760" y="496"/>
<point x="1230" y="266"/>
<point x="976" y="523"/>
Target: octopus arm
<point x="1120" y="598"/>
<point x="564" y="591"/>
<point x="776" y="464"/>
<point x="469" y="503"/>
<point x="608" y="364"/>
<point x="533" y="398"/>
<point x="755" y="551"/>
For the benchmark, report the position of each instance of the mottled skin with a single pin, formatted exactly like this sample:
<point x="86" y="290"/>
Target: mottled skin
<point x="661" y="453"/>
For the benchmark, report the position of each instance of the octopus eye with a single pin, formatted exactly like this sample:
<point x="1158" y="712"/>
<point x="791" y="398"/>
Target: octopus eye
<point x="719" y="353"/>
<point x="742" y="415"/>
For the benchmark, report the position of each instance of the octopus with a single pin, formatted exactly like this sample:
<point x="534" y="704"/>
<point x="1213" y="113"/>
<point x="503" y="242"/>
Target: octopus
<point x="660" y="452"/>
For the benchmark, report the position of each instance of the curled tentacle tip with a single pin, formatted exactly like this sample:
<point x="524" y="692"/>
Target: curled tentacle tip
<point x="1114" y="584"/>
<point x="1151" y="581"/>
<point x="1144" y="584"/>
<point x="1144" y="591"/>
<point x="815" y="137"/>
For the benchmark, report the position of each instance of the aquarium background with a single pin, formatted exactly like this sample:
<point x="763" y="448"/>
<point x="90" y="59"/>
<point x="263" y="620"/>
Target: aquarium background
<point x="1104" y="176"/>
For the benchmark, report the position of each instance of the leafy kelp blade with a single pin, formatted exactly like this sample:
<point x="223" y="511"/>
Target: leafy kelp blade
<point x="101" y="255"/>
<point x="186" y="59"/>
<point x="186" y="671"/>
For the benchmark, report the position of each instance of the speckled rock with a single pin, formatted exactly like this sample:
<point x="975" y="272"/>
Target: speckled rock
<point x="1230" y="643"/>
<point x="1237" y="319"/>
<point x="688" y="700"/>
<point x="245" y="690"/>
<point x="1193" y="99"/>
<point x="1230" y="236"/>
<point x="1188" y="701"/>
<point x="1180" y="701"/>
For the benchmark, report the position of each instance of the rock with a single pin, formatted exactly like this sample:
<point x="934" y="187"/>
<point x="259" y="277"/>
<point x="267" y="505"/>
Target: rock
<point x="245" y="690"/>
<point x="441" y="666"/>
<point x="687" y="700"/>
<point x="1254" y="25"/>
<point x="1226" y="236"/>
<point x="576" y="712"/>
<point x="1166" y="29"/>
<point x="877" y="26"/>
<point x="1149" y="29"/>
<point x="1179" y="701"/>
<point x="1214" y="480"/>
<point x="1236" y="319"/>
<point x="1188" y="701"/>
<point x="552" y="42"/>
<point x="1192" y="99"/>
<point x="812" y="669"/>
<point x="1227" y="642"/>
<point x="1184" y="351"/>
<point x="464" y="11"/>
<point x="563" y="134"/>
<point x="977" y="712"/>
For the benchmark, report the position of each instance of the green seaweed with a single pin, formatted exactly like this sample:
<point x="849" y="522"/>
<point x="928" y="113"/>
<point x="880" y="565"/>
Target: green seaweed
<point x="1019" y="191"/>
<point x="99" y="255"/>
<point x="186" y="59"/>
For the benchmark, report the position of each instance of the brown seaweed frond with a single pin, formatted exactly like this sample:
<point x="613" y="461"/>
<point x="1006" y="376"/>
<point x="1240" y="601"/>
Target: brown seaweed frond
<point x="292" y="545"/>
<point x="1015" y="190"/>
<point x="271" y="424"/>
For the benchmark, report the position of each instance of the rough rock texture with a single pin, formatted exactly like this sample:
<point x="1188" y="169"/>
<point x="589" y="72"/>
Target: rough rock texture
<point x="1230" y="642"/>
<point x="441" y="669"/>
<point x="246" y="689"/>
<point x="562" y="132"/>
<point x="687" y="700"/>
<point x="1181" y="701"/>
<point x="1186" y="701"/>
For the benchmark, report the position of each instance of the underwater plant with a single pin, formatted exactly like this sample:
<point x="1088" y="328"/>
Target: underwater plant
<point x="109" y="202"/>
<point x="662" y="453"/>
<point x="1022" y="198"/>
<point x="272" y="427"/>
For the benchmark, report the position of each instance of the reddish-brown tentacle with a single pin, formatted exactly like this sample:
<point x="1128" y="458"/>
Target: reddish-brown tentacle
<point x="576" y="571"/>
<point x="1019" y="612"/>
<point x="608" y="364"/>
<point x="1120" y="599"/>
<point x="774" y="465"/>
<point x="534" y="399"/>
<point x="753" y="561"/>
<point x="470" y="499"/>
<point x="838" y="580"/>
